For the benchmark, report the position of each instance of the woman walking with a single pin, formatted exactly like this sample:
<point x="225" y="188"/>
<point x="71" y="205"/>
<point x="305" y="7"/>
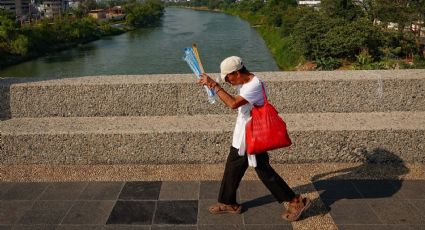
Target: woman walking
<point x="250" y="93"/>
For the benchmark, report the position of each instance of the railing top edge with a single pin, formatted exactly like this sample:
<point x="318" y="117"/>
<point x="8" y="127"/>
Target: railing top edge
<point x="277" y="76"/>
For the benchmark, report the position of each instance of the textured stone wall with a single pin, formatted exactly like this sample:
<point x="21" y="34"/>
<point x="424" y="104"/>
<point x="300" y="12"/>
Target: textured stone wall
<point x="159" y="95"/>
<point x="337" y="116"/>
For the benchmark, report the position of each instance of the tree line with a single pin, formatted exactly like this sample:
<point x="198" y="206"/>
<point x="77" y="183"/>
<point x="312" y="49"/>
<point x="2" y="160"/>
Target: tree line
<point x="22" y="42"/>
<point x="368" y="34"/>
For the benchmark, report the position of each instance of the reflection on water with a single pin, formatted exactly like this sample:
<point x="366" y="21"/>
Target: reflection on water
<point x="68" y="55"/>
<point x="157" y="50"/>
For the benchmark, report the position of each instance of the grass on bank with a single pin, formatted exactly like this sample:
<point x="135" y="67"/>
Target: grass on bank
<point x="282" y="48"/>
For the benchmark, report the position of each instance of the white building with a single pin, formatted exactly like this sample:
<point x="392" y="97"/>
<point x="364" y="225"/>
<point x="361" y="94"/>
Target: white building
<point x="309" y="3"/>
<point x="316" y="3"/>
<point x="53" y="8"/>
<point x="73" y="4"/>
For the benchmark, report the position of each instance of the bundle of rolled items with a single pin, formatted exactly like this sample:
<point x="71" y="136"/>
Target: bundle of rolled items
<point x="194" y="62"/>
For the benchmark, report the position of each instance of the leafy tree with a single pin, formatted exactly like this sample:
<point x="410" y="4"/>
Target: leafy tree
<point x="418" y="10"/>
<point x="7" y="25"/>
<point x="8" y="29"/>
<point x="348" y="39"/>
<point x="274" y="12"/>
<point x="394" y="11"/>
<point x="340" y="29"/>
<point x="369" y="8"/>
<point x="341" y="8"/>
<point x="310" y="31"/>
<point x="251" y="6"/>
<point x="112" y="3"/>
<point x="79" y="12"/>
<point x="213" y="4"/>
<point x="227" y="4"/>
<point x="291" y="17"/>
<point x="283" y="4"/>
<point x="90" y="4"/>
<point x="85" y="7"/>
<point x="19" y="46"/>
<point x="255" y="5"/>
<point x="85" y="29"/>
<point x="199" y="3"/>
<point x="319" y="36"/>
<point x="143" y="14"/>
<point x="405" y="14"/>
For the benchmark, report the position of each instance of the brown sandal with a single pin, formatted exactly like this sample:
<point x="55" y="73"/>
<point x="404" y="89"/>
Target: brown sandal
<point x="225" y="208"/>
<point x="296" y="208"/>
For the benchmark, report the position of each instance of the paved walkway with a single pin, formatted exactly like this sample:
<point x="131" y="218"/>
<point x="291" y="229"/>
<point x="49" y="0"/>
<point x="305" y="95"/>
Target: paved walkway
<point x="352" y="204"/>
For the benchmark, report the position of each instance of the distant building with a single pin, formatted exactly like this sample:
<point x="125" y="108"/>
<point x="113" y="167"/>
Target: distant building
<point x="309" y="3"/>
<point x="98" y="14"/>
<point x="316" y="3"/>
<point x="8" y="5"/>
<point x="115" y="13"/>
<point x="19" y="7"/>
<point x="73" y="4"/>
<point x="416" y="27"/>
<point x="53" y="8"/>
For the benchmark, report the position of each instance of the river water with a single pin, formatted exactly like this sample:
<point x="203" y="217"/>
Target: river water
<point x="157" y="50"/>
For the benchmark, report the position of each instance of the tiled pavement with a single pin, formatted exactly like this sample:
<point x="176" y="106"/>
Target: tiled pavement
<point x="353" y="204"/>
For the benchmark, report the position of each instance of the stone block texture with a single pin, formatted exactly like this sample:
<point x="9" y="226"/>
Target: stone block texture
<point x="160" y="95"/>
<point x="332" y="116"/>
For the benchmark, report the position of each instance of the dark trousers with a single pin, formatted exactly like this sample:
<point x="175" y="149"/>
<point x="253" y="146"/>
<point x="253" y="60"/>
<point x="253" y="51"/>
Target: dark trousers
<point x="235" y="169"/>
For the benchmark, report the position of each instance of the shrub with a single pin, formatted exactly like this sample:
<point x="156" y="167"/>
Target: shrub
<point x="19" y="46"/>
<point x="327" y="63"/>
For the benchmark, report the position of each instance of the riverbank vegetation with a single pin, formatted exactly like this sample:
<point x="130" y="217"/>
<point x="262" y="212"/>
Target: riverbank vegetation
<point x="23" y="42"/>
<point x="341" y="34"/>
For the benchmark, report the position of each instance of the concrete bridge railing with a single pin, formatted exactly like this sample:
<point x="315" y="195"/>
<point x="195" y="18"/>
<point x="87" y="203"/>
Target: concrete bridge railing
<point x="171" y="95"/>
<point x="348" y="116"/>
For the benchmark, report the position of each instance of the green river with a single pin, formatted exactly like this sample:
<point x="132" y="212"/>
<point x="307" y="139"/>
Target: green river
<point x="157" y="50"/>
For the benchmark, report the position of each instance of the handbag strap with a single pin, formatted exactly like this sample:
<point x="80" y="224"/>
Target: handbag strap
<point x="264" y="93"/>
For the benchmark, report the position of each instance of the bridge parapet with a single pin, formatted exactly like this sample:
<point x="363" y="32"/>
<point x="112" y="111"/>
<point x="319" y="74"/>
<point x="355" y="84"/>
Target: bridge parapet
<point x="171" y="95"/>
<point x="350" y="116"/>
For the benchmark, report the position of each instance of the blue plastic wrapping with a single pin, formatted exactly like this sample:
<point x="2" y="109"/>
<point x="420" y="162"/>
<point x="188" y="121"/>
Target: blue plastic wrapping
<point x="196" y="67"/>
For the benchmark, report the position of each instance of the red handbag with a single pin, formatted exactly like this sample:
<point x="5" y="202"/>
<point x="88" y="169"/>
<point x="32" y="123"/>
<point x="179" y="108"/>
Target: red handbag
<point x="266" y="130"/>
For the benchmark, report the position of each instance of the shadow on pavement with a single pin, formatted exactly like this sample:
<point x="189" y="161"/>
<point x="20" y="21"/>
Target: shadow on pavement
<point x="260" y="201"/>
<point x="381" y="171"/>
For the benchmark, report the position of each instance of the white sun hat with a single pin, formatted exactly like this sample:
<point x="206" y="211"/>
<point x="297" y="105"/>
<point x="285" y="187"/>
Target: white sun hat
<point x="229" y="65"/>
